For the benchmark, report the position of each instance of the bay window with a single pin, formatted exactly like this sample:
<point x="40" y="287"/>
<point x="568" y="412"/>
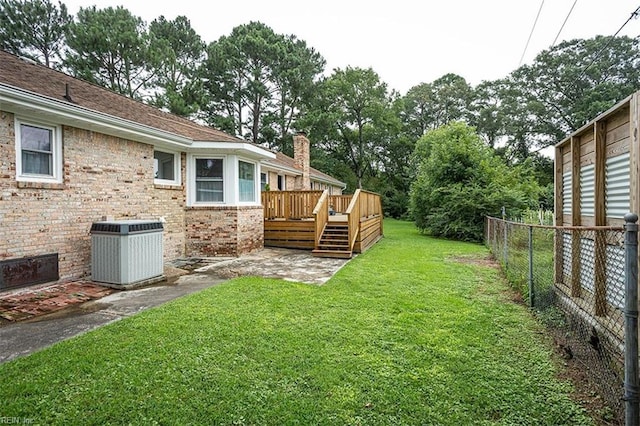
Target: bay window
<point x="209" y="180"/>
<point x="247" y="181"/>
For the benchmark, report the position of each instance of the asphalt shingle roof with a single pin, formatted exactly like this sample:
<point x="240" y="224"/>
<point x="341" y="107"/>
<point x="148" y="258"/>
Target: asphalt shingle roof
<point x="26" y="75"/>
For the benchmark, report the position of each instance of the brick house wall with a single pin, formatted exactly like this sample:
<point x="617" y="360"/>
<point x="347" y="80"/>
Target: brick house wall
<point x="224" y="231"/>
<point x="290" y="183"/>
<point x="272" y="178"/>
<point x="106" y="176"/>
<point x="250" y="229"/>
<point x="168" y="202"/>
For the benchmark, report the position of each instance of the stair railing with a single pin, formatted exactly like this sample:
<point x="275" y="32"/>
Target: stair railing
<point x="353" y="218"/>
<point x="321" y="216"/>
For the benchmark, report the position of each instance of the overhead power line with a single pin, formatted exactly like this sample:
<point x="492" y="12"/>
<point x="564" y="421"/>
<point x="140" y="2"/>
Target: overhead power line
<point x="530" y="34"/>
<point x="563" y="24"/>
<point x="634" y="14"/>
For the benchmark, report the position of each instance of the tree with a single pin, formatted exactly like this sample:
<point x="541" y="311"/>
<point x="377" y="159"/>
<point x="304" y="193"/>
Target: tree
<point x="568" y="85"/>
<point x="487" y="113"/>
<point x="431" y="105"/>
<point x="295" y="73"/>
<point x="353" y="119"/>
<point x="237" y="76"/>
<point x="452" y="95"/>
<point x="460" y="181"/>
<point x="257" y="81"/>
<point x="181" y="51"/>
<point x="110" y="47"/>
<point x="34" y="28"/>
<point x="417" y="112"/>
<point x="396" y="171"/>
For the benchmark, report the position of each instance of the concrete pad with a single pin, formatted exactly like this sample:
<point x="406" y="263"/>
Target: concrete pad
<point x="290" y="265"/>
<point x="24" y="337"/>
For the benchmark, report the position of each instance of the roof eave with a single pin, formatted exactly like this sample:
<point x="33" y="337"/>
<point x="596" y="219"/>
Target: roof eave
<point x="20" y="101"/>
<point x="277" y="167"/>
<point x="246" y="148"/>
<point x="330" y="182"/>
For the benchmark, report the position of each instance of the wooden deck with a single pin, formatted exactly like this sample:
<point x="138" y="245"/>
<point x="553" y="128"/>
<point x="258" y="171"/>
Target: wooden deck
<point x="292" y="221"/>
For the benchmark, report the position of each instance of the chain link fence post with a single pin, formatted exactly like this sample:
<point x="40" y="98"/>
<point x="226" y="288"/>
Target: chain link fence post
<point x="631" y="319"/>
<point x="506" y="245"/>
<point x="530" y="280"/>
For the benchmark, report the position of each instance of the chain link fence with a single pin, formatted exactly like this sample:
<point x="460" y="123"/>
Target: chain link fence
<point x="579" y="294"/>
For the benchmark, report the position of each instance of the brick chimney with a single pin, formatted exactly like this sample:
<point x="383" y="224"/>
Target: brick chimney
<point x="301" y="160"/>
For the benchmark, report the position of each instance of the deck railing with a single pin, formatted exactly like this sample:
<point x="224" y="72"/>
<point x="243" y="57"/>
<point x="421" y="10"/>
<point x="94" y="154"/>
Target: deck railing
<point x="321" y="215"/>
<point x="370" y="205"/>
<point x="288" y="216"/>
<point x="353" y="217"/>
<point x="340" y="203"/>
<point x="289" y="204"/>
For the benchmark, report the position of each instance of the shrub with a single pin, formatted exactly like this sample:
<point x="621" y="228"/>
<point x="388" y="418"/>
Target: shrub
<point x="460" y="181"/>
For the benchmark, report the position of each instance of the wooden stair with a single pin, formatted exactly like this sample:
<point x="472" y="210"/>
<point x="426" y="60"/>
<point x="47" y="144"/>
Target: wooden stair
<point x="334" y="241"/>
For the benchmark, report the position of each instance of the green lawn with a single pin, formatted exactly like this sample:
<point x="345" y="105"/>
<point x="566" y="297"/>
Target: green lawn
<point x="404" y="334"/>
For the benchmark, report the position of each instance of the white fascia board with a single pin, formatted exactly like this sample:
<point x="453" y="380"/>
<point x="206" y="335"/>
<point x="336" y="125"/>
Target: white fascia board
<point x="278" y="168"/>
<point x="330" y="182"/>
<point x="241" y="148"/>
<point x="24" y="102"/>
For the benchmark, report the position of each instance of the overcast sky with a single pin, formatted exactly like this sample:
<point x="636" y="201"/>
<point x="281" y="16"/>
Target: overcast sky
<point x="406" y="42"/>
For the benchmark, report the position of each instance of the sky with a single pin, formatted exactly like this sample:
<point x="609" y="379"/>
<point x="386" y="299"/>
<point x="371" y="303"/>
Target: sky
<point x="407" y="42"/>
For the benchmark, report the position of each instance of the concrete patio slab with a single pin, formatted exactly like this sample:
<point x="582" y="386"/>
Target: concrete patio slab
<point x="185" y="276"/>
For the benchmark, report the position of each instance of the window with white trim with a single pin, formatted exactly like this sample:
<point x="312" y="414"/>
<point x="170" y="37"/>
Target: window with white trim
<point x="281" y="183"/>
<point x="38" y="152"/>
<point x="166" y="167"/>
<point x="209" y="180"/>
<point x="247" y="181"/>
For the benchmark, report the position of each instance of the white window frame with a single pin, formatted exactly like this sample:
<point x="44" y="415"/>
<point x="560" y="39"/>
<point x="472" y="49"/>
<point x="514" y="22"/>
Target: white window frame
<point x="177" y="168"/>
<point x="256" y="181"/>
<point x="56" y="152"/>
<point x="266" y="179"/>
<point x="191" y="179"/>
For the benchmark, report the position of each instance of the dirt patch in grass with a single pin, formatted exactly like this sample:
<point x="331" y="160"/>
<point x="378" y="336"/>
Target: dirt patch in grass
<point x="489" y="262"/>
<point x="486" y="261"/>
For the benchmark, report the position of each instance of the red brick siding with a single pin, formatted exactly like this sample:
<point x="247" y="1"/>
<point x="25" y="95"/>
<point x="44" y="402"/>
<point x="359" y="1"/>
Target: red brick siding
<point x="104" y="176"/>
<point x="223" y="231"/>
<point x="250" y="229"/>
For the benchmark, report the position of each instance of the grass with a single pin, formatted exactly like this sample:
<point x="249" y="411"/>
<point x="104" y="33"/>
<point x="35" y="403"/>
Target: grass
<point x="405" y="334"/>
